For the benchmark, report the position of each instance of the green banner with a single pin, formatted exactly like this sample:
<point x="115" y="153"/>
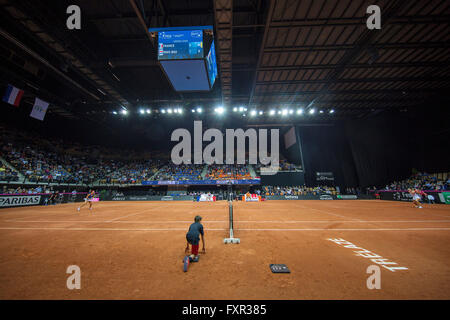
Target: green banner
<point x="446" y="196"/>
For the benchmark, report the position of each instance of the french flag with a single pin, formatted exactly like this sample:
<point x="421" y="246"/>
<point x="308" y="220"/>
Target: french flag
<point x="13" y="95"/>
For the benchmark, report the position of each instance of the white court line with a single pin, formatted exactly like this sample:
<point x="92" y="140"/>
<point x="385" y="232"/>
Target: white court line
<point x="133" y="214"/>
<point x="333" y="214"/>
<point x="236" y="221"/>
<point x="252" y="229"/>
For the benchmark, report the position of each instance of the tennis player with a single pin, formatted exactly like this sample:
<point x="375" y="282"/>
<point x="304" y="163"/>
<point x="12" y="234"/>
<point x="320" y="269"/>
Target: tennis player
<point x="193" y="239"/>
<point x="89" y="198"/>
<point x="417" y="196"/>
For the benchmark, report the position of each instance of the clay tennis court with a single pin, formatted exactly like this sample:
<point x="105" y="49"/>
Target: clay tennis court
<point x="134" y="250"/>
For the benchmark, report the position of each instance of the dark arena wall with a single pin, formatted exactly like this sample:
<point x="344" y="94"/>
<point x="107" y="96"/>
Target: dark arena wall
<point x="370" y="152"/>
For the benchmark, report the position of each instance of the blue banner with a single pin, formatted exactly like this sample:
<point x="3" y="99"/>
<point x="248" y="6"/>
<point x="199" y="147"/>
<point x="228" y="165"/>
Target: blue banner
<point x="202" y="182"/>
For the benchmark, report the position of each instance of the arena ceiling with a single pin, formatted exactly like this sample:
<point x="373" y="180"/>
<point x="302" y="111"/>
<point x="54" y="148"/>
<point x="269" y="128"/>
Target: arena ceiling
<point x="271" y="53"/>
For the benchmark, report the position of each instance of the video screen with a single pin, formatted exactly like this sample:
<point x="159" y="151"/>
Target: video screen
<point x="183" y="44"/>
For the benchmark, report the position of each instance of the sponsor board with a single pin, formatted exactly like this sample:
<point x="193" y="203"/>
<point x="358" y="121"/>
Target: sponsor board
<point x="324" y="176"/>
<point x="402" y="196"/>
<point x="138" y="198"/>
<point x="13" y="201"/>
<point x="347" y="197"/>
<point x="325" y="197"/>
<point x="446" y="196"/>
<point x="291" y="197"/>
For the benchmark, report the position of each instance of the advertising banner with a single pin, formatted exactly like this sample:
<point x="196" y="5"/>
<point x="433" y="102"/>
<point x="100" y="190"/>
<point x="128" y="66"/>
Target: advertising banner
<point x="18" y="200"/>
<point x="324" y="176"/>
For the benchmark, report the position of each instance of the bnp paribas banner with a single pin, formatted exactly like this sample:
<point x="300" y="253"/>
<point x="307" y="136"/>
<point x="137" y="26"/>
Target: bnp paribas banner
<point x="19" y="200"/>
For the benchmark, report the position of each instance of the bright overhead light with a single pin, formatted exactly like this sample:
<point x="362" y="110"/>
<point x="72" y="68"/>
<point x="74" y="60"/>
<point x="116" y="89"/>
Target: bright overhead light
<point x="279" y="111"/>
<point x="299" y="111"/>
<point x="124" y="112"/>
<point x="199" y="110"/>
<point x="332" y="111"/>
<point x="311" y="111"/>
<point x="235" y="109"/>
<point x="245" y="109"/>
<point x="163" y="111"/>
<point x="142" y="111"/>
<point x="219" y="110"/>
<point x="291" y="111"/>
<point x="193" y="110"/>
<point x="260" y="113"/>
<point x="284" y="112"/>
<point x="114" y="112"/>
<point x="148" y="111"/>
<point x="321" y="111"/>
<point x="169" y="110"/>
<point x="175" y="110"/>
<point x="253" y="113"/>
<point x="272" y="112"/>
<point x="241" y="109"/>
<point x="180" y="110"/>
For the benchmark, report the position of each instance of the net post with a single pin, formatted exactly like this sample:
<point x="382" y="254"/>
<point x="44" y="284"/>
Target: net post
<point x="231" y="239"/>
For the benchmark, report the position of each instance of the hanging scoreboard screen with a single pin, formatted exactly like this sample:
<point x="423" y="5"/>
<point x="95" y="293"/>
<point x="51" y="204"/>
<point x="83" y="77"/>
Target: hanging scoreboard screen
<point x="187" y="56"/>
<point x="212" y="65"/>
<point x="180" y="44"/>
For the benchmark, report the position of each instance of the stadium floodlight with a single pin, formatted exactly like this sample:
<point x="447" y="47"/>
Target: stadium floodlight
<point x="245" y="109"/>
<point x="311" y="111"/>
<point x="241" y="109"/>
<point x="235" y="109"/>
<point x="148" y="111"/>
<point x="199" y="110"/>
<point x="272" y="112"/>
<point x="284" y="112"/>
<point x="219" y="110"/>
<point x="180" y="110"/>
<point x="193" y="110"/>
<point x="279" y="111"/>
<point x="142" y="111"/>
<point x="299" y="111"/>
<point x="321" y="111"/>
<point x="169" y="110"/>
<point x="332" y="111"/>
<point x="163" y="111"/>
<point x="260" y="113"/>
<point x="253" y="113"/>
<point x="175" y="110"/>
<point x="124" y="112"/>
<point x="114" y="112"/>
<point x="291" y="111"/>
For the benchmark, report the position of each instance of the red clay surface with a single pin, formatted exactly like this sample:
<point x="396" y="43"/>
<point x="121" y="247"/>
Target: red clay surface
<point x="134" y="250"/>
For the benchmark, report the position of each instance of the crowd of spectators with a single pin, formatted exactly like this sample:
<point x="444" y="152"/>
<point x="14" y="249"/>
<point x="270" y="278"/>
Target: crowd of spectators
<point x="296" y="190"/>
<point x="423" y="181"/>
<point x="182" y="172"/>
<point x="228" y="171"/>
<point x="8" y="175"/>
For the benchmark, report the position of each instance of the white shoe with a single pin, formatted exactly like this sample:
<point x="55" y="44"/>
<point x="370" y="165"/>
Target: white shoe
<point x="78" y="209"/>
<point x="420" y="207"/>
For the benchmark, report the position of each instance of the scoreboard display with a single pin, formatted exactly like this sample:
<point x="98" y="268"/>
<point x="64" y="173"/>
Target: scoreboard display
<point x="187" y="56"/>
<point x="212" y="65"/>
<point x="180" y="44"/>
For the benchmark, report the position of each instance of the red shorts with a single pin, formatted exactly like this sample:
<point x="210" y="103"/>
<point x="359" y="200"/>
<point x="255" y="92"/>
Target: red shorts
<point x="195" y="249"/>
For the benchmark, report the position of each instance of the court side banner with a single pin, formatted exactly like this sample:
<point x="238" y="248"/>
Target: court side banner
<point x="14" y="201"/>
